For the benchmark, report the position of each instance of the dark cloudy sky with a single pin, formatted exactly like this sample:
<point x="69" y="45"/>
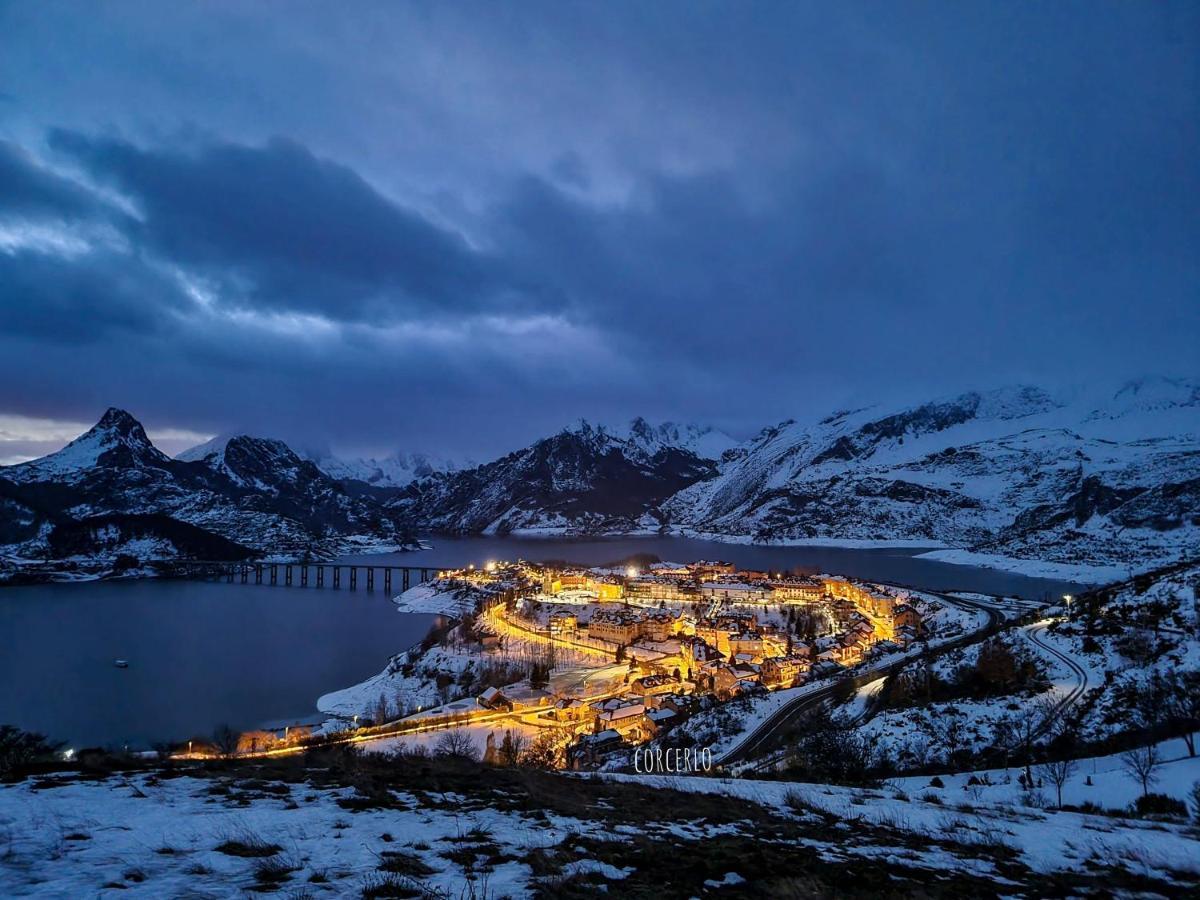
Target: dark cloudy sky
<point x="456" y="226"/>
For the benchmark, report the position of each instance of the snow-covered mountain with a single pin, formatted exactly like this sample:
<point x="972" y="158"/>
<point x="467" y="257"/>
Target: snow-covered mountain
<point x="704" y="441"/>
<point x="394" y="471"/>
<point x="252" y="491"/>
<point x="1085" y="477"/>
<point x="585" y="479"/>
<point x="1091" y="477"/>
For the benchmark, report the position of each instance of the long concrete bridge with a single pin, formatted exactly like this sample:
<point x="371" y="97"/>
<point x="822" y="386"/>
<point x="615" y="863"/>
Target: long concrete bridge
<point x="301" y="574"/>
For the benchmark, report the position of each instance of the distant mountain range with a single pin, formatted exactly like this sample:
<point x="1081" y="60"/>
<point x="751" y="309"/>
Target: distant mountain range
<point x="1097" y="477"/>
<point x="250" y="495"/>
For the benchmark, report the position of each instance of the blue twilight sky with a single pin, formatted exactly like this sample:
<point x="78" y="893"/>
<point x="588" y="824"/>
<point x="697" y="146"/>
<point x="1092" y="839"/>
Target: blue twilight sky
<point x="456" y="226"/>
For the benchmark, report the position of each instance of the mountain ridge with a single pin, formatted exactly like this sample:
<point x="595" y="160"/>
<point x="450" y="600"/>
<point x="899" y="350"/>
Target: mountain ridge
<point x="1097" y="476"/>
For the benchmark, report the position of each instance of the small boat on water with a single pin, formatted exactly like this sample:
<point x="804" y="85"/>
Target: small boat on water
<point x="121" y="663"/>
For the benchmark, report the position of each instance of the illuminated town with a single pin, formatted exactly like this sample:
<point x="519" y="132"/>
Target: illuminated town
<point x="615" y="657"/>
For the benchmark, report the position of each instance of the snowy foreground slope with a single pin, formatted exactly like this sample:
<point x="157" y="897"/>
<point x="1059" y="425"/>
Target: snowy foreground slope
<point x="1047" y="841"/>
<point x="344" y="825"/>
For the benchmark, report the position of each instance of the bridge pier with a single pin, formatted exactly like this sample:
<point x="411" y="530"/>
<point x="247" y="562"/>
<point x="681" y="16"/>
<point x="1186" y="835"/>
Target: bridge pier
<point x="268" y="573"/>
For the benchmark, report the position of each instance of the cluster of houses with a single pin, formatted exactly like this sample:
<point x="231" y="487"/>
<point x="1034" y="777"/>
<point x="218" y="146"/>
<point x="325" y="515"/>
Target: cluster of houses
<point x="703" y="629"/>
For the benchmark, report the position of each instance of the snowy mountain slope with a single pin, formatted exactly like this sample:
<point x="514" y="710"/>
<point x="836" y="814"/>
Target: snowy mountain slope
<point x="1011" y="471"/>
<point x="584" y="479"/>
<point x="704" y="441"/>
<point x="396" y="470"/>
<point x="116" y="441"/>
<point x="251" y="491"/>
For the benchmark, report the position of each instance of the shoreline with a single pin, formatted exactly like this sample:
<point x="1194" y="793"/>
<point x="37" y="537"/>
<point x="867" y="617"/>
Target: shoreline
<point x="1080" y="573"/>
<point x="926" y="549"/>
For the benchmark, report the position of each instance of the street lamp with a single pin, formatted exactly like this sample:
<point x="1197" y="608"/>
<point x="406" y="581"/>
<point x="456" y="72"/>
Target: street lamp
<point x="1068" y="598"/>
<point x="631" y="572"/>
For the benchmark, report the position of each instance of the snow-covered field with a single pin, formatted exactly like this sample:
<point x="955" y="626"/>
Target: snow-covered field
<point x="159" y="838"/>
<point x="1046" y="840"/>
<point x="413" y="827"/>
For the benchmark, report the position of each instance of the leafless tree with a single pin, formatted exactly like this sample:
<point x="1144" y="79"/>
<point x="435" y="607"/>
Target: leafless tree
<point x="1021" y="731"/>
<point x="1058" y="773"/>
<point x="225" y="739"/>
<point x="949" y="732"/>
<point x="1182" y="706"/>
<point x="1140" y="763"/>
<point x="545" y="752"/>
<point x="512" y="748"/>
<point x="456" y="743"/>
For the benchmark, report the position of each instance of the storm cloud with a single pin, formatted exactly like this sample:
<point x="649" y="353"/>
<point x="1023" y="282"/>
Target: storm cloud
<point x="454" y="228"/>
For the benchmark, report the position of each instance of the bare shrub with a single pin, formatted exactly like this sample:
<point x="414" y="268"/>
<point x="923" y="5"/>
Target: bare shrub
<point x="275" y="869"/>
<point x="1140" y="763"/>
<point x="456" y="743"/>
<point x="245" y="843"/>
<point x="1058" y="774"/>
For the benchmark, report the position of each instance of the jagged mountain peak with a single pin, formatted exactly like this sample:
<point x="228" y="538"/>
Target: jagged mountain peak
<point x="396" y="470"/>
<point x="116" y="419"/>
<point x="263" y="462"/>
<point x="641" y="437"/>
<point x="117" y="440"/>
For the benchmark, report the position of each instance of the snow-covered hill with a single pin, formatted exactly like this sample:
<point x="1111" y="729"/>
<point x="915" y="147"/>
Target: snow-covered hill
<point x="397" y="470"/>
<point x="585" y="479"/>
<point x="251" y="491"/>
<point x="1016" y="472"/>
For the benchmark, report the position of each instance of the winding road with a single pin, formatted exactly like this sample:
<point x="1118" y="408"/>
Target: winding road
<point x="1033" y="633"/>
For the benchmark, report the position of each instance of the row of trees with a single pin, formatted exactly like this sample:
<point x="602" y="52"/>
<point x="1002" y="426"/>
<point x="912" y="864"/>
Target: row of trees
<point x="545" y="751"/>
<point x="1000" y="668"/>
<point x="1164" y="703"/>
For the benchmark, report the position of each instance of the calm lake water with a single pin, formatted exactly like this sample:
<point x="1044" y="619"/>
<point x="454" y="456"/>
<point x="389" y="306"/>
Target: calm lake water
<point x="201" y="654"/>
<point x="893" y="565"/>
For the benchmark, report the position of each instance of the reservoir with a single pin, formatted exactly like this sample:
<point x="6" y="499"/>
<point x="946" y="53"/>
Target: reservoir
<point x="203" y="654"/>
